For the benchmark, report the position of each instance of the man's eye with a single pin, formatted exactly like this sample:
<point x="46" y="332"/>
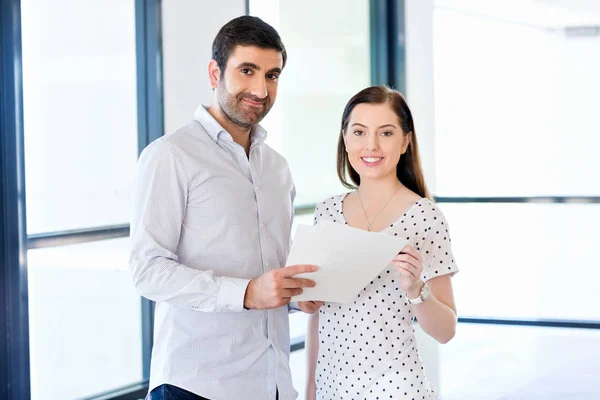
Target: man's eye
<point x="273" y="77"/>
<point x="245" y="71"/>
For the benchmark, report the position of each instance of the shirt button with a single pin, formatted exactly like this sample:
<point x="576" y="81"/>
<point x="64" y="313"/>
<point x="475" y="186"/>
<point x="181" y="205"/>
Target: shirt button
<point x="262" y="226"/>
<point x="267" y="265"/>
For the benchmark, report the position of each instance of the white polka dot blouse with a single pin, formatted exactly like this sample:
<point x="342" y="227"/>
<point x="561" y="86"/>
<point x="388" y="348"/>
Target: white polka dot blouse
<point x="367" y="347"/>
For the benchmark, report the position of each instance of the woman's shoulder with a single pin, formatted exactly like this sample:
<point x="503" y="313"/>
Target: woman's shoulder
<point x="330" y="208"/>
<point x="332" y="201"/>
<point x="430" y="208"/>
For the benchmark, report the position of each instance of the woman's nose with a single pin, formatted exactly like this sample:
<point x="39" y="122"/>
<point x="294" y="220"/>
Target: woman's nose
<point x="372" y="143"/>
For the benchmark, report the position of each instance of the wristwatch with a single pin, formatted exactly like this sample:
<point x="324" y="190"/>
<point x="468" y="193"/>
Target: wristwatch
<point x="423" y="296"/>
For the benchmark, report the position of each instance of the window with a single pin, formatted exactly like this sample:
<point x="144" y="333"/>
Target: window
<point x="329" y="61"/>
<point x="515" y="91"/>
<point x="80" y="128"/>
<point x="79" y="84"/>
<point x="85" y="320"/>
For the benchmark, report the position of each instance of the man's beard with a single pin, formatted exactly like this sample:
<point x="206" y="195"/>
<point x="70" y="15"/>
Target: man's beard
<point x="244" y="116"/>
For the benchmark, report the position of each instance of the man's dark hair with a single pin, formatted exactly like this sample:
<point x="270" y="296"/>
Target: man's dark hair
<point x="245" y="31"/>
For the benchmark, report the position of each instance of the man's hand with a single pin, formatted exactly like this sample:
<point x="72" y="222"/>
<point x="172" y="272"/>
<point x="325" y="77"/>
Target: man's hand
<point x="275" y="288"/>
<point x="310" y="307"/>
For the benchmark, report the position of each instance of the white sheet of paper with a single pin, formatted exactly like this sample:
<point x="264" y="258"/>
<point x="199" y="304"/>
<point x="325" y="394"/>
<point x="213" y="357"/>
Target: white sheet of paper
<point x="348" y="259"/>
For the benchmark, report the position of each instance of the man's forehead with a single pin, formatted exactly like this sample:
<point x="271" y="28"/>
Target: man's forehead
<point x="263" y="58"/>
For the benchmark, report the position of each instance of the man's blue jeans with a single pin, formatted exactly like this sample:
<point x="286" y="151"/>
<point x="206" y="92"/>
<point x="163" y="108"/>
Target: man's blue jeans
<point x="170" y="392"/>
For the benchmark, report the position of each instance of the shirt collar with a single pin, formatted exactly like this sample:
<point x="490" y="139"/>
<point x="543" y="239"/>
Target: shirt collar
<point x="257" y="135"/>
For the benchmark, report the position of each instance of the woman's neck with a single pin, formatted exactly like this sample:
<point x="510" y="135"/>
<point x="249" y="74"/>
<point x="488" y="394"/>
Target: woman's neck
<point x="371" y="190"/>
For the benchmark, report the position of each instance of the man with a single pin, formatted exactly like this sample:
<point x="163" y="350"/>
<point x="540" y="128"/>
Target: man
<point x="212" y="214"/>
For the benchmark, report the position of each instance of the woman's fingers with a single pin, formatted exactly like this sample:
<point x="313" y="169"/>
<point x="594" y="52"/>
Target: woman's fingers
<point x="407" y="271"/>
<point x="407" y="258"/>
<point x="412" y="252"/>
<point x="408" y="261"/>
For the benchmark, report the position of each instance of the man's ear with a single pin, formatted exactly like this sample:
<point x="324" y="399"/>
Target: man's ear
<point x="214" y="74"/>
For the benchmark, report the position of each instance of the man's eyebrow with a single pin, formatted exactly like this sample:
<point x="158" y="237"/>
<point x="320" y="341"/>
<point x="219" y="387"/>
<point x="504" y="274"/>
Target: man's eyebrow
<point x="249" y="65"/>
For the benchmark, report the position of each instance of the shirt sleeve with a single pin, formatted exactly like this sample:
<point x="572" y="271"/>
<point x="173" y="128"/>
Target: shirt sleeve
<point x="158" y="207"/>
<point x="437" y="254"/>
<point x="317" y="213"/>
<point x="293" y="306"/>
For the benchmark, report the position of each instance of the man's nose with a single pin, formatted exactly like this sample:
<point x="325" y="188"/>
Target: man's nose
<point x="259" y="87"/>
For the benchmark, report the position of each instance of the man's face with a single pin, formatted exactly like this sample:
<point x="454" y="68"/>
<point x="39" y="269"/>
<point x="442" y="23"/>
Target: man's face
<point x="248" y="88"/>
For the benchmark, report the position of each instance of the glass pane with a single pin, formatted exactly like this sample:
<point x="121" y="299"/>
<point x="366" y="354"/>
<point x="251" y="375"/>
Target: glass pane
<point x="516" y="95"/>
<point x="328" y="63"/>
<point x="520" y="362"/>
<point x="526" y="261"/>
<point x="80" y="118"/>
<point x="84" y="320"/>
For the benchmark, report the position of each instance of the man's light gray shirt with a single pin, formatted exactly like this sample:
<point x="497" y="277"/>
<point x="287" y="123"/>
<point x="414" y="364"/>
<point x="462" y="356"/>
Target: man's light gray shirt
<point x="206" y="219"/>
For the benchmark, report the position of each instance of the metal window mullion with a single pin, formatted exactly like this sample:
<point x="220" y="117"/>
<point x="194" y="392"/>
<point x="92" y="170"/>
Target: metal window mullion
<point x="14" y="317"/>
<point x="150" y="119"/>
<point x="388" y="43"/>
<point x="76" y="236"/>
<point x="522" y="199"/>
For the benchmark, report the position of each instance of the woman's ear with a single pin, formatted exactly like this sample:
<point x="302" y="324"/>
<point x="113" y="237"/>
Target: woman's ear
<point x="214" y="74"/>
<point x="407" y="141"/>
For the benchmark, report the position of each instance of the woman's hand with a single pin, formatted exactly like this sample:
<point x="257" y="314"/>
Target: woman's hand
<point x="310" y="307"/>
<point x="409" y="264"/>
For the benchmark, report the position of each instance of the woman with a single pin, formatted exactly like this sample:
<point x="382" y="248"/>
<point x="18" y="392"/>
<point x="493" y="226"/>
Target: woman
<point x="366" y="349"/>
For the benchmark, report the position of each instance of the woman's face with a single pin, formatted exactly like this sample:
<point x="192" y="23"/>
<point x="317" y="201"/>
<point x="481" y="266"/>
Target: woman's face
<point x="374" y="141"/>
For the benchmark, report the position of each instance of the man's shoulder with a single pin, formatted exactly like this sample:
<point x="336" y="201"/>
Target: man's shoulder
<point x="273" y="155"/>
<point x="177" y="144"/>
<point x="192" y="133"/>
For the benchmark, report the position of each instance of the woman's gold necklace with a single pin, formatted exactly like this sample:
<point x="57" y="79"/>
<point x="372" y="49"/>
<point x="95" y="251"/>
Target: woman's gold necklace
<point x="370" y="223"/>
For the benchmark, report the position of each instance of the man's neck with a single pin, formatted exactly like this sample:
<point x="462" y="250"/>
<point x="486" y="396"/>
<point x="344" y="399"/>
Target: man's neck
<point x="240" y="135"/>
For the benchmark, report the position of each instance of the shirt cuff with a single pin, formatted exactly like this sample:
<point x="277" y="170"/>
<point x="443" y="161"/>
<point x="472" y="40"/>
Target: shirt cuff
<point x="293" y="307"/>
<point x="231" y="294"/>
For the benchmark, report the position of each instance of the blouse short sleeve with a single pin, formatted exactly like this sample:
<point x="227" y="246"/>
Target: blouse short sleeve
<point x="437" y="254"/>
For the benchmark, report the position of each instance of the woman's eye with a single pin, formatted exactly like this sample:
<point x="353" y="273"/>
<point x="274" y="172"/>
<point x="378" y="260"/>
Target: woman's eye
<point x="358" y="133"/>
<point x="387" y="133"/>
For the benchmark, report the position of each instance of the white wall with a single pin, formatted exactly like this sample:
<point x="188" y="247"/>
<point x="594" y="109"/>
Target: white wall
<point x="188" y="28"/>
<point x="419" y="80"/>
